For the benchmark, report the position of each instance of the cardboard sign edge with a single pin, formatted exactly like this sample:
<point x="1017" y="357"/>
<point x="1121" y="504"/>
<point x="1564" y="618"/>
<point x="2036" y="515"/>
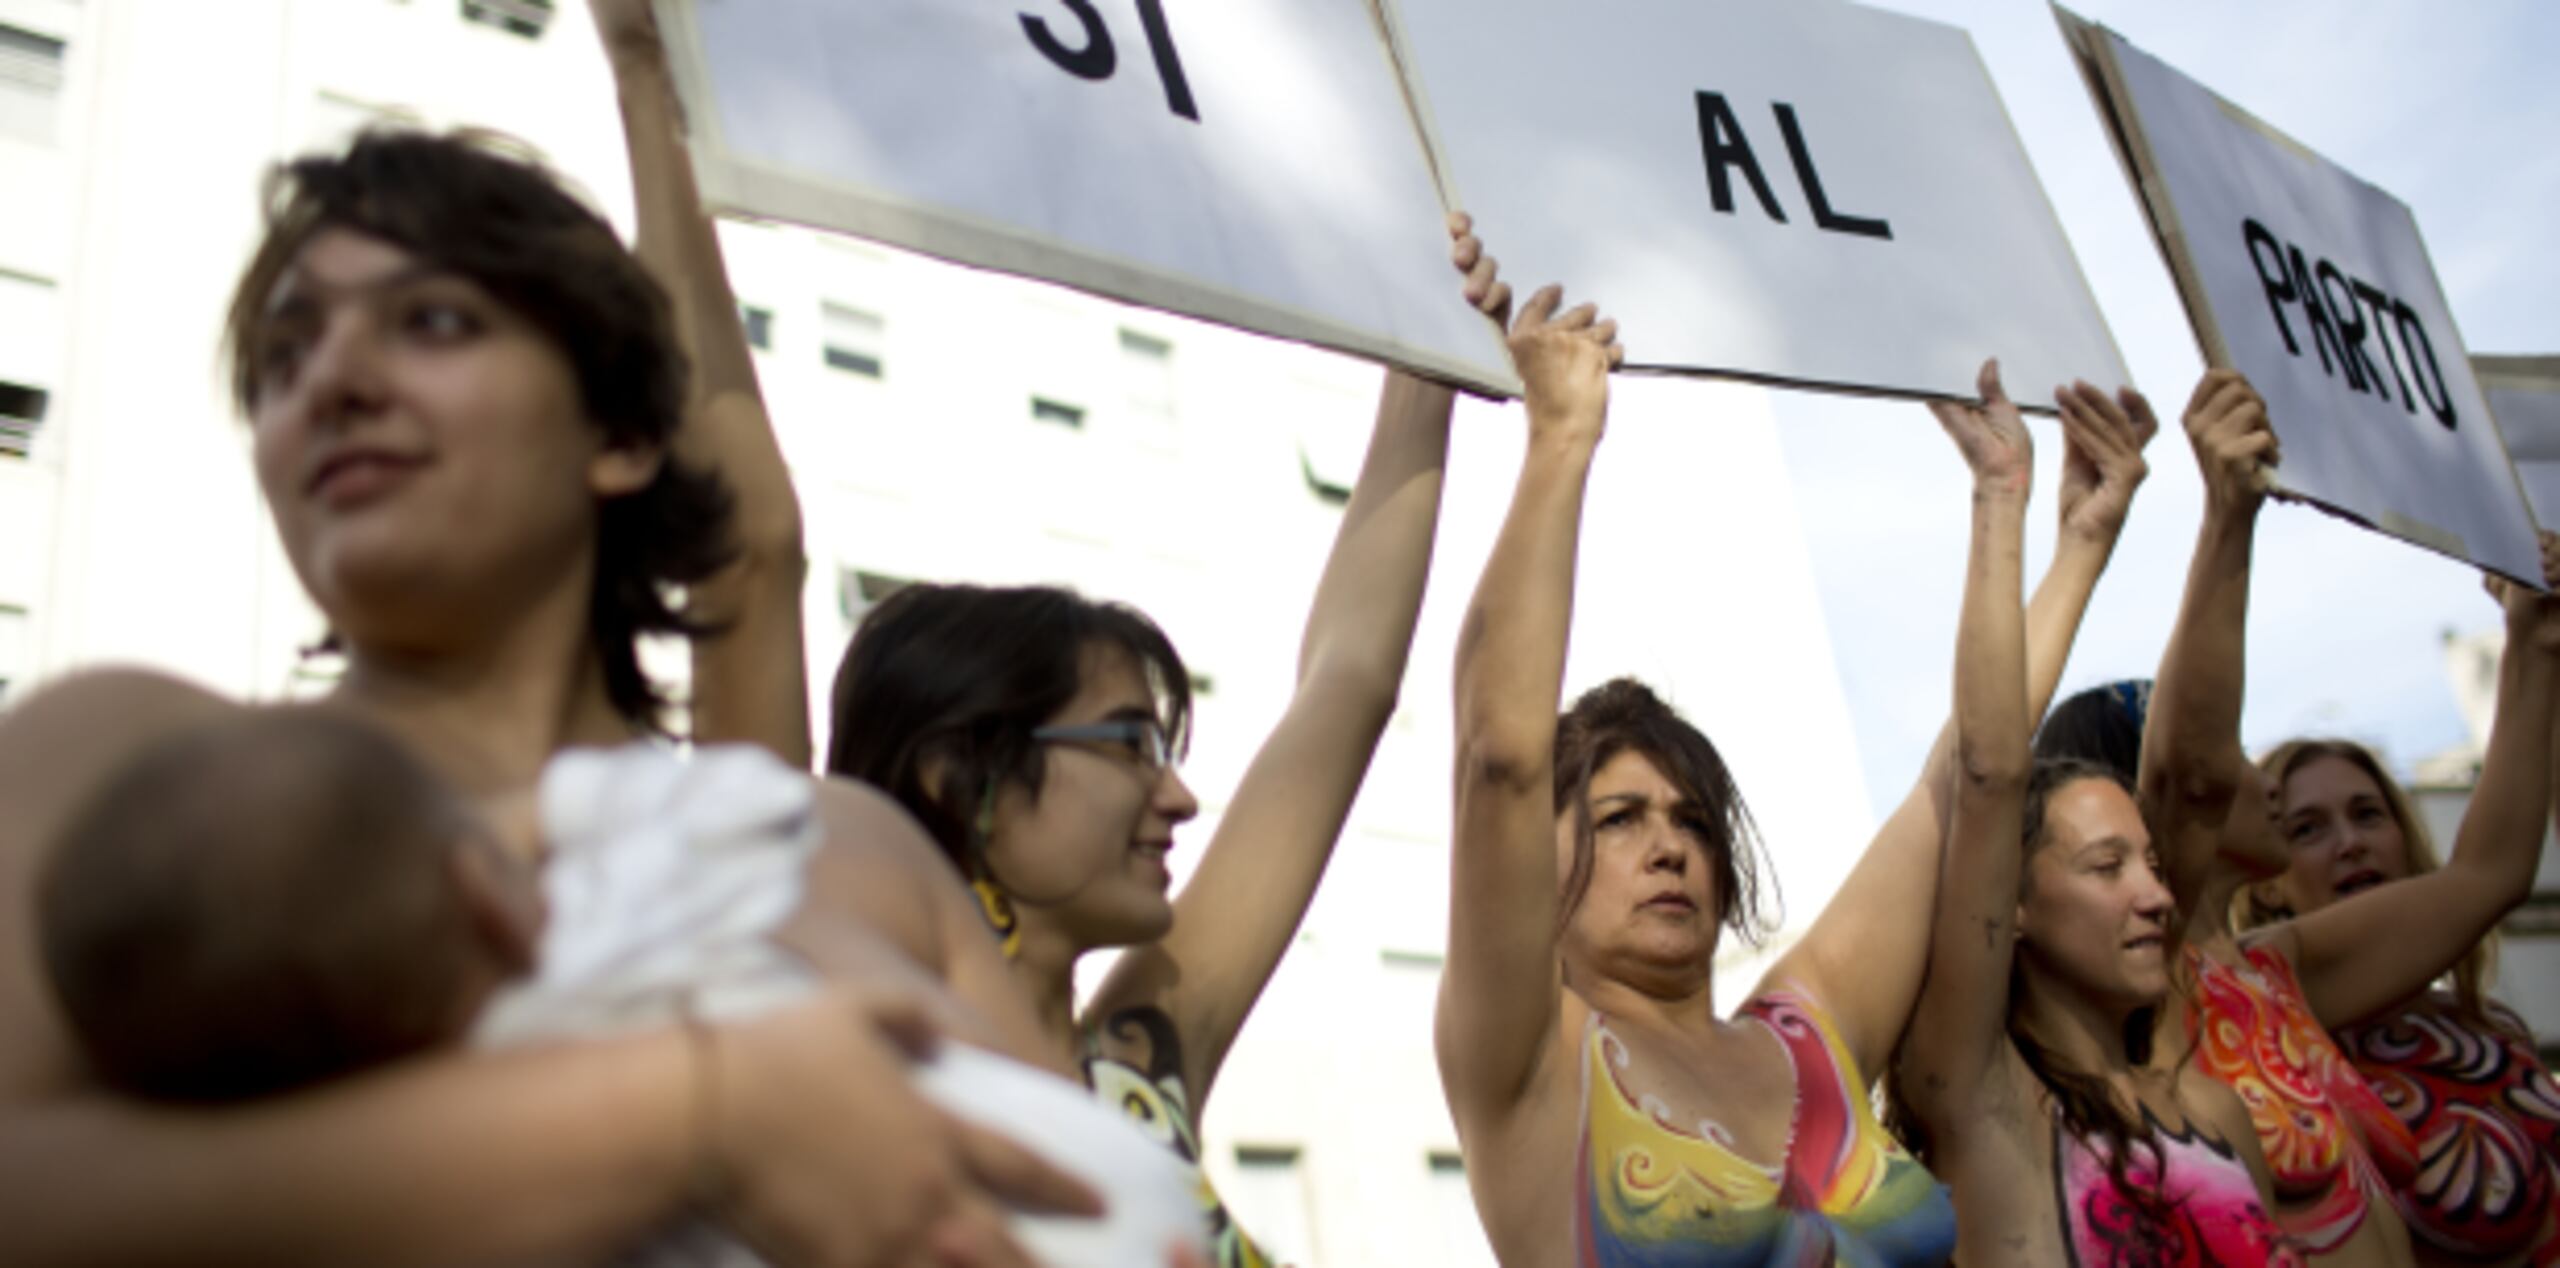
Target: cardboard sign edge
<point x="733" y="185"/>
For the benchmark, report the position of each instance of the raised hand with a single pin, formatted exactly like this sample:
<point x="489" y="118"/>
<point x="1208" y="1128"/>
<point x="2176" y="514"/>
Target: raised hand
<point x="1564" y="361"/>
<point x="627" y="27"/>
<point x="2102" y="442"/>
<point x="2235" y="445"/>
<point x="1991" y="435"/>
<point x="2533" y="617"/>
<point x="1484" y="286"/>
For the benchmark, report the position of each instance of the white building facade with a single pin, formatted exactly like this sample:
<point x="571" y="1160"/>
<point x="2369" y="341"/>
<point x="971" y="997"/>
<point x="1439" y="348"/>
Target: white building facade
<point x="942" y="424"/>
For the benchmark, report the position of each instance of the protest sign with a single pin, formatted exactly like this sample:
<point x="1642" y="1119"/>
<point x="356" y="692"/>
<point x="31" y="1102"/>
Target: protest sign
<point x="1251" y="162"/>
<point x="2524" y="396"/>
<point x="1820" y="194"/>
<point x="2316" y="285"/>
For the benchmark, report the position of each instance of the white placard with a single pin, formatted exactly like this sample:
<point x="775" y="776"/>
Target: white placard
<point x="1251" y="162"/>
<point x="2524" y="396"/>
<point x="1823" y="194"/>
<point x="2317" y="286"/>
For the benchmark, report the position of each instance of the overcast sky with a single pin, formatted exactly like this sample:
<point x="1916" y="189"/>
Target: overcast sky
<point x="2450" y="106"/>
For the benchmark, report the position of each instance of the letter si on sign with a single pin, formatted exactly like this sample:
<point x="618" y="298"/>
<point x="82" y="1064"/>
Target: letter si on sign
<point x="1249" y="162"/>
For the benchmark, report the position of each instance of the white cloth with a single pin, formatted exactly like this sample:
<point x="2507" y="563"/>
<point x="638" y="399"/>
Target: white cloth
<point x="669" y="880"/>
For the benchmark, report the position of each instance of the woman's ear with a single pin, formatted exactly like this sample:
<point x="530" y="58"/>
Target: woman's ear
<point x="624" y="469"/>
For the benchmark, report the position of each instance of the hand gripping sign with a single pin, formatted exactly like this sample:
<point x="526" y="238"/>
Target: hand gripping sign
<point x="2318" y="287"/>
<point x="1250" y="162"/>
<point x="1819" y="194"/>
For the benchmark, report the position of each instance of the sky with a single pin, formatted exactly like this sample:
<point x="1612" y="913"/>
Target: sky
<point x="2449" y="106"/>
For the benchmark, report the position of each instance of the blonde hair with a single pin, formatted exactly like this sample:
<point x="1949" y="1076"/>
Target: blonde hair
<point x="2248" y="911"/>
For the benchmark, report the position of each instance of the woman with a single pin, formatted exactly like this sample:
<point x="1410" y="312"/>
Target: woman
<point x="2028" y="1064"/>
<point x="1036" y="734"/>
<point x="1596" y="861"/>
<point x="2261" y="1007"/>
<point x="462" y="392"/>
<point x="2458" y="1070"/>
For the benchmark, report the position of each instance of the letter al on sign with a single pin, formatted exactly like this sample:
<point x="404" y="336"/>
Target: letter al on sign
<point x="1820" y="194"/>
<point x="1249" y="162"/>
<point x="2316" y="285"/>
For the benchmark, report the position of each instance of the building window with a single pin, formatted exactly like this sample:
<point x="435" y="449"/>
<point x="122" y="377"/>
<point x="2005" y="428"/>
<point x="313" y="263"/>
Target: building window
<point x="1326" y="491"/>
<point x="1045" y="410"/>
<point x="22" y="410"/>
<point x="30" y="84"/>
<point x="1147" y="363"/>
<point x="759" y="325"/>
<point x="527" y="18"/>
<point x="1462" y="1240"/>
<point x="855" y="339"/>
<point x="857" y="592"/>
<point x="1269" y="1202"/>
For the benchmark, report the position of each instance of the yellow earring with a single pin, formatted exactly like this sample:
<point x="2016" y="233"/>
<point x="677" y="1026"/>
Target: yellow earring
<point x="993" y="903"/>
<point x="998" y="909"/>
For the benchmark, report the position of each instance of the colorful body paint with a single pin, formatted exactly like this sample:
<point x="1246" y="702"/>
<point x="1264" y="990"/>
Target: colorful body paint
<point x="2332" y="1147"/>
<point x="2486" y="1115"/>
<point x="1658" y="1195"/>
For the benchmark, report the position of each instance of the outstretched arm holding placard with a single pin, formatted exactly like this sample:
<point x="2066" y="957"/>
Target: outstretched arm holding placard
<point x="750" y="677"/>
<point x="1241" y="909"/>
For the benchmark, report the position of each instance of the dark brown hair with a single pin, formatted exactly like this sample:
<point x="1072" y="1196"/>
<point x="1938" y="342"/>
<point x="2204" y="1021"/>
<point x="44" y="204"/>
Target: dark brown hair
<point x="473" y="203"/>
<point x="1623" y="715"/>
<point x="955" y="677"/>
<point x="257" y="905"/>
<point x="2087" y="1103"/>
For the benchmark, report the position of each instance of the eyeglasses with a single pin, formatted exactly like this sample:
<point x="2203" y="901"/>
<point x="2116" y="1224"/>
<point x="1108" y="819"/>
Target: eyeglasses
<point x="1144" y="738"/>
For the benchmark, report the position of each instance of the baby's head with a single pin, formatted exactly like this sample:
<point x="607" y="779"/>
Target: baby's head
<point x="273" y="900"/>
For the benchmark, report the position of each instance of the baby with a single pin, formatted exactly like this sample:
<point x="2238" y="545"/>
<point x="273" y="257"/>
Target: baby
<point x="288" y="896"/>
<point x="275" y="900"/>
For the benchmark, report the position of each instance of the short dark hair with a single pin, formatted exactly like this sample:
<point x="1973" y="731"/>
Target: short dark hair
<point x="1623" y="715"/>
<point x="476" y="204"/>
<point x="955" y="677"/>
<point x="2102" y="725"/>
<point x="256" y="905"/>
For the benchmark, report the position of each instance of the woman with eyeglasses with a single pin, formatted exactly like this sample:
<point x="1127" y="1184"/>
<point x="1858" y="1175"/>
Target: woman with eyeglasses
<point x="1036" y="732"/>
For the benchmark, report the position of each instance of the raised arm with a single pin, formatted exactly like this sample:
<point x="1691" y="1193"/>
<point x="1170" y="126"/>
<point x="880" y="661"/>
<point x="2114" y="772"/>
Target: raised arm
<point x="1864" y="955"/>
<point x="1502" y="988"/>
<point x="1958" y="1031"/>
<point x="1239" y="911"/>
<point x="2193" y="766"/>
<point x="2374" y="949"/>
<point x="750" y="673"/>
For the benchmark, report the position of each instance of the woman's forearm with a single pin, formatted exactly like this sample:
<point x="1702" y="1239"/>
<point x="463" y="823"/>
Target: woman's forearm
<point x="534" y="1155"/>
<point x="1360" y="626"/>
